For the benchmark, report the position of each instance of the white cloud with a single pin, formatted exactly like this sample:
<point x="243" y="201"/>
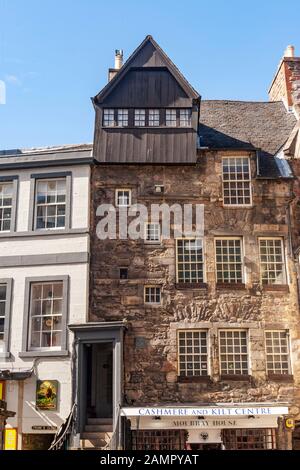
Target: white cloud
<point x="13" y="79"/>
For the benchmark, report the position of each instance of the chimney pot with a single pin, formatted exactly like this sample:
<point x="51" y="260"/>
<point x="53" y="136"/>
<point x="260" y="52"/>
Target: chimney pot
<point x="118" y="59"/>
<point x="290" y="51"/>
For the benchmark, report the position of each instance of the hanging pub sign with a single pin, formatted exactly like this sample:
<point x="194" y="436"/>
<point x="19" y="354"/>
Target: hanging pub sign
<point x="46" y="394"/>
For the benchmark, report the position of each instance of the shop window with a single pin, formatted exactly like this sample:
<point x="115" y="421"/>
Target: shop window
<point x="159" y="440"/>
<point x="249" y="439"/>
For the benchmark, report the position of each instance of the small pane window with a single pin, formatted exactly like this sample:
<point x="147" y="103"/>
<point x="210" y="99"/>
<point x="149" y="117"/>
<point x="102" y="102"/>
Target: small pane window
<point x="46" y="308"/>
<point x="277" y="352"/>
<point x="192" y="353"/>
<point x="108" y="117"/>
<point x="229" y="261"/>
<point x="272" y="270"/>
<point x="233" y="352"/>
<point x="185" y="117"/>
<point x="122" y="117"/>
<point x="171" y="119"/>
<point x="50" y="204"/>
<point x="6" y="198"/>
<point x="123" y="273"/>
<point x="139" y="117"/>
<point x="152" y="295"/>
<point x="153" y="119"/>
<point x="123" y="197"/>
<point x="236" y="181"/>
<point x="153" y="232"/>
<point x="190" y="260"/>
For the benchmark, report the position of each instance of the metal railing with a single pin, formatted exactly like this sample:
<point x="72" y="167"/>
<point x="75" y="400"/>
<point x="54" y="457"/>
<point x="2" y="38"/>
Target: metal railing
<point x="61" y="439"/>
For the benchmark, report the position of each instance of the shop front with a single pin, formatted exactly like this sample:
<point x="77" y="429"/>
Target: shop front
<point x="224" y="427"/>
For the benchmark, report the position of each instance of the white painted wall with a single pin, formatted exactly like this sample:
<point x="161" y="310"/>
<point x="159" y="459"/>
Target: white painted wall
<point x="55" y="368"/>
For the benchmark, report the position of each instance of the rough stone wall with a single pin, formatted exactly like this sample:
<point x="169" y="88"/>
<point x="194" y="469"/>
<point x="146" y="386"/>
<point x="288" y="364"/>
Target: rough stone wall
<point x="278" y="90"/>
<point x="150" y="351"/>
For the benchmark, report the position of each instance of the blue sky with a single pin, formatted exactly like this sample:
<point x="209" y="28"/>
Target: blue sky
<point x="54" y="55"/>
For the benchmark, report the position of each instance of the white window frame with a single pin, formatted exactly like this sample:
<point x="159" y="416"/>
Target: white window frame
<point x="203" y="261"/>
<point x="284" y="266"/>
<point x="121" y="122"/>
<point x="108" y="122"/>
<point x="185" y="117"/>
<point x="243" y="281"/>
<point x="37" y="205"/>
<point x="191" y="330"/>
<point x="61" y="315"/>
<point x="236" y="181"/>
<point x="155" y="121"/>
<point x="171" y="122"/>
<point x="149" y="286"/>
<point x="273" y="354"/>
<point x="240" y="330"/>
<point x="116" y="197"/>
<point x="147" y="224"/>
<point x="138" y="113"/>
<point x="11" y="207"/>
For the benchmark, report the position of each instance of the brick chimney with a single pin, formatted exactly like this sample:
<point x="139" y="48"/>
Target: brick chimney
<point x="286" y="83"/>
<point x="118" y="64"/>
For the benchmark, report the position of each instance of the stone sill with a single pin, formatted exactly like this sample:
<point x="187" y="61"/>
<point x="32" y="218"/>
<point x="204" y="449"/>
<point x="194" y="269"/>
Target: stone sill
<point x="194" y="379"/>
<point x="236" y="378"/>
<point x="191" y="285"/>
<point x="43" y="353"/>
<point x="232" y="286"/>
<point x="276" y="288"/>
<point x="5" y="355"/>
<point x="280" y="377"/>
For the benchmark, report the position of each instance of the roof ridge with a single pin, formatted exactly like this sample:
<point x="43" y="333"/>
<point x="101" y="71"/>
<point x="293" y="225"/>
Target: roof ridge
<point x="241" y="101"/>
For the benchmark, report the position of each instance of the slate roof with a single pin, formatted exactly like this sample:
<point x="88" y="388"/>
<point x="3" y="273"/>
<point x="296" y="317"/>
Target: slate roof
<point x="247" y="125"/>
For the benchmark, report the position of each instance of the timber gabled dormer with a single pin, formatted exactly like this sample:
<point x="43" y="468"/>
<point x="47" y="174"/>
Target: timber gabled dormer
<point x="147" y="113"/>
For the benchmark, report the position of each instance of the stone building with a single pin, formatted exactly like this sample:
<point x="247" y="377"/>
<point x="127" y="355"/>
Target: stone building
<point x="209" y="324"/>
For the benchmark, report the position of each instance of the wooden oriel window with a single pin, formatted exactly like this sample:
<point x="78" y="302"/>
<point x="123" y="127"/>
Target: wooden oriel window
<point x="140" y="117"/>
<point x="236" y="181"/>
<point x="6" y="198"/>
<point x="108" y="117"/>
<point x="277" y="352"/>
<point x="229" y="264"/>
<point x="153" y="117"/>
<point x="185" y="117"/>
<point x="122" y="120"/>
<point x="190" y="263"/>
<point x="192" y="353"/>
<point x="249" y="439"/>
<point x="171" y="118"/>
<point x="272" y="265"/>
<point x="233" y="347"/>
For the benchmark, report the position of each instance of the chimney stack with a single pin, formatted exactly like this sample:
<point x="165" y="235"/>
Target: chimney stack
<point x="286" y="83"/>
<point x="118" y="64"/>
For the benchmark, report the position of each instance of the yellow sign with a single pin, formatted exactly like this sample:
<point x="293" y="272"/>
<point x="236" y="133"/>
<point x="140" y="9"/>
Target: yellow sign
<point x="1" y="390"/>
<point x="289" y="423"/>
<point x="10" y="439"/>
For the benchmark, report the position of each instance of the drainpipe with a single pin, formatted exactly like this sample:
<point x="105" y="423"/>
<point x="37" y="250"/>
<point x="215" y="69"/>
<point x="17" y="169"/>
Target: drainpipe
<point x="290" y="244"/>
